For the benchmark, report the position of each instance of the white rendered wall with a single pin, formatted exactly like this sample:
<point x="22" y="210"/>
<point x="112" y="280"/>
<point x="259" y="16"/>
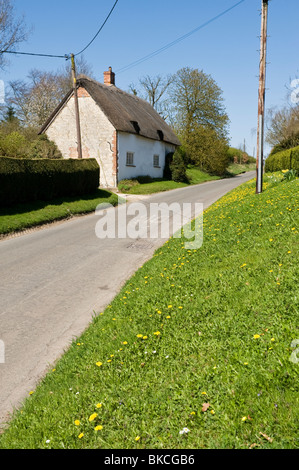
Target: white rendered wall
<point x="144" y="151"/>
<point x="96" y="135"/>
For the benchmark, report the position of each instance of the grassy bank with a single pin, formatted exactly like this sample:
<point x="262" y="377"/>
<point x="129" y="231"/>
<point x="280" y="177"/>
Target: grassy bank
<point x="24" y="216"/>
<point x="195" y="350"/>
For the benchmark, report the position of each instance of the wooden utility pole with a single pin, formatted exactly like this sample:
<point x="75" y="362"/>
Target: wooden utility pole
<point x="261" y="100"/>
<point x="79" y="143"/>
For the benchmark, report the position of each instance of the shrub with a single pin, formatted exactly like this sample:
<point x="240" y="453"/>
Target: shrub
<point x="14" y="145"/>
<point x="125" y="185"/>
<point x="178" y="167"/>
<point x="24" y="180"/>
<point x="285" y="160"/>
<point x="42" y="147"/>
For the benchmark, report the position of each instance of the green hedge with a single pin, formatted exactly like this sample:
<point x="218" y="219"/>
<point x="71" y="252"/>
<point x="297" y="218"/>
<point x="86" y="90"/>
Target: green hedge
<point x="285" y="160"/>
<point x="24" y="180"/>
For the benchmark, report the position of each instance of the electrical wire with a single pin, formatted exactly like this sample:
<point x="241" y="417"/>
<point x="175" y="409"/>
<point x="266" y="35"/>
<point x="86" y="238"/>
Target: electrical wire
<point x="33" y="54"/>
<point x="66" y="56"/>
<point x="96" y="35"/>
<point x="185" y="36"/>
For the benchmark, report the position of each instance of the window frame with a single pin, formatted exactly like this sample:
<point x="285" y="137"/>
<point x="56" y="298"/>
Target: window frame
<point x="130" y="155"/>
<point x="156" y="156"/>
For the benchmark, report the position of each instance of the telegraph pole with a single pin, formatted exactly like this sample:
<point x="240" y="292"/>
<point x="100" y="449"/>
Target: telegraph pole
<point x="79" y="143"/>
<point x="261" y="100"/>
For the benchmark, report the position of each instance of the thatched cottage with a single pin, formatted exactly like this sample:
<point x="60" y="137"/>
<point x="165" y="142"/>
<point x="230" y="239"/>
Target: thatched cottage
<point x="123" y="132"/>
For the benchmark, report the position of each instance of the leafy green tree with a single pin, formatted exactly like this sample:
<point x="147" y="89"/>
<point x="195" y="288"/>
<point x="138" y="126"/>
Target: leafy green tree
<point x="197" y="101"/>
<point x="198" y="115"/>
<point x="207" y="150"/>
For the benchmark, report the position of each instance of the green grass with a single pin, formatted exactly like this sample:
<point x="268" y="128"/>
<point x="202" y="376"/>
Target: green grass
<point x="194" y="175"/>
<point x="237" y="168"/>
<point x="24" y="216"/>
<point x="213" y="325"/>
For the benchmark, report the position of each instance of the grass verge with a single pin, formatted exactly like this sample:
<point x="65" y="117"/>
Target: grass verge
<point x="194" y="175"/>
<point x="195" y="351"/>
<point x="24" y="216"/>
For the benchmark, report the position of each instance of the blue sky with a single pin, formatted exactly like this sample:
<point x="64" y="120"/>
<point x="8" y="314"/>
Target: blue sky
<point x="227" y="49"/>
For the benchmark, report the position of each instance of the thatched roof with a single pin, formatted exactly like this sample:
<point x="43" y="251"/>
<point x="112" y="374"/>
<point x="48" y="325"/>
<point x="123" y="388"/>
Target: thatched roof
<point x="126" y="112"/>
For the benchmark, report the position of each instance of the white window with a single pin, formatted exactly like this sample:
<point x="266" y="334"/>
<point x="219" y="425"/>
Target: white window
<point x="156" y="161"/>
<point x="130" y="159"/>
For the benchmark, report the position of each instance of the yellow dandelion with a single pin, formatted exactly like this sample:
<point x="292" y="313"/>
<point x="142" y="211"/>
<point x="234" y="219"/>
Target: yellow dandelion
<point x="99" y="364"/>
<point x="137" y="438"/>
<point x="139" y="336"/>
<point x="98" y="428"/>
<point x="92" y="417"/>
<point x="125" y="342"/>
<point x="157" y="333"/>
<point x="244" y="418"/>
<point x="81" y="435"/>
<point x="77" y="422"/>
<point x="99" y="405"/>
<point x="256" y="336"/>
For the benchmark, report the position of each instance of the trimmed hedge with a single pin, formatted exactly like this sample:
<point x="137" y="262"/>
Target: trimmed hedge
<point x="284" y="160"/>
<point x="24" y="180"/>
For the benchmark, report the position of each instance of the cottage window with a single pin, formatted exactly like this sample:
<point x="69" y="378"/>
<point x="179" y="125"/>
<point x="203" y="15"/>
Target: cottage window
<point x="156" y="161"/>
<point x="130" y="159"/>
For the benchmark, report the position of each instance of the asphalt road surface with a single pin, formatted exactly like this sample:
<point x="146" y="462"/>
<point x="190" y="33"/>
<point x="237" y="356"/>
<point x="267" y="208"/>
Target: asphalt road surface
<point x="55" y="279"/>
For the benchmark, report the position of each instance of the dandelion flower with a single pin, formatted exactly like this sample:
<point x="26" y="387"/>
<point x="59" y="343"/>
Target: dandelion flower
<point x="157" y="333"/>
<point x="92" y="417"/>
<point x="256" y="336"/>
<point x="77" y="422"/>
<point x="139" y="336"/>
<point x="244" y="418"/>
<point x="137" y="438"/>
<point x="81" y="435"/>
<point x="99" y="405"/>
<point x="99" y="364"/>
<point x="98" y="428"/>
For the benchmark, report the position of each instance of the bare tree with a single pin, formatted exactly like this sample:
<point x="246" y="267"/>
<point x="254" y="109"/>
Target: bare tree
<point x="35" y="99"/>
<point x="12" y="30"/>
<point x="64" y="76"/>
<point x="154" y="90"/>
<point x="282" y="125"/>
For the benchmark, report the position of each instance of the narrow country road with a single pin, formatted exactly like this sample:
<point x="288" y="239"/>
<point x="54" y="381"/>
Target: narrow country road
<point x="54" y="279"/>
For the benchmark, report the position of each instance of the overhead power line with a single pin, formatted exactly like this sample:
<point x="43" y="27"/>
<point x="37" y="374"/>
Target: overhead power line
<point x="96" y="35"/>
<point x="173" y="43"/>
<point x="34" y="54"/>
<point x="65" y="56"/>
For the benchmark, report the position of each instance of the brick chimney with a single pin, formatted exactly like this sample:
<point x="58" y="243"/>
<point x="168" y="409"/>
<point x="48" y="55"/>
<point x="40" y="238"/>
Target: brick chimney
<point x="109" y="77"/>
